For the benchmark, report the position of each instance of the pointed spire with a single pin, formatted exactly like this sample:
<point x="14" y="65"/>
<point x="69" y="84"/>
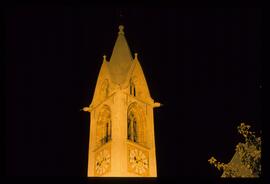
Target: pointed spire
<point x="121" y="58"/>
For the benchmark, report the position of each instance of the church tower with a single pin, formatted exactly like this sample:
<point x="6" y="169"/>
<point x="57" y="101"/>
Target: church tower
<point x="122" y="139"/>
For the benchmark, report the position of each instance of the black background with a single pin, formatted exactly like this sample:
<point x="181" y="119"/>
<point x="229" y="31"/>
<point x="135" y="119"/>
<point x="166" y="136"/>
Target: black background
<point x="203" y="65"/>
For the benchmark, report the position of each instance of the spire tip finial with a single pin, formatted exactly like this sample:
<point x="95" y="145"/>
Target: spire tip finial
<point x="121" y="29"/>
<point x="104" y="57"/>
<point x="136" y="55"/>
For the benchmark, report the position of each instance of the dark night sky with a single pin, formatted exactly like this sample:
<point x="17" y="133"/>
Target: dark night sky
<point x="202" y="64"/>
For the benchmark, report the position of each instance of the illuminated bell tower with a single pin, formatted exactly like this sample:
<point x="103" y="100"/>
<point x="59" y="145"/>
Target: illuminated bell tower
<point x="122" y="139"/>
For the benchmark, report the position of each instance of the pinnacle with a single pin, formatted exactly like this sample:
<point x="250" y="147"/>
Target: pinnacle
<point x="121" y="29"/>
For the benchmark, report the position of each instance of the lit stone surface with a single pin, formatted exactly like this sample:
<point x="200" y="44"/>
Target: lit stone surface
<point x="122" y="140"/>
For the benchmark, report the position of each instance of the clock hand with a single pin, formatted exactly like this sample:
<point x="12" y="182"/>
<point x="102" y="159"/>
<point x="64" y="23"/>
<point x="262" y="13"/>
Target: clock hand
<point x="101" y="161"/>
<point x="138" y="160"/>
<point x="141" y="160"/>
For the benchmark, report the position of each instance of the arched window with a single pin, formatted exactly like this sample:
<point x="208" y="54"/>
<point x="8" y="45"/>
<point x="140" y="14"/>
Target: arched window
<point x="135" y="124"/>
<point x="132" y="127"/>
<point x="105" y="89"/>
<point x="132" y="89"/>
<point x="104" y="126"/>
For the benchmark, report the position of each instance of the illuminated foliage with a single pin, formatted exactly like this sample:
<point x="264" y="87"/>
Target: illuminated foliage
<point x="248" y="154"/>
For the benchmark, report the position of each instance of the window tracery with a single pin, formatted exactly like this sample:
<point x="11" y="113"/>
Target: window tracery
<point x="135" y="124"/>
<point x="104" y="126"/>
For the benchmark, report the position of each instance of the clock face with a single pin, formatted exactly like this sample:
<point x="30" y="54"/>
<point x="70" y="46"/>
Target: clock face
<point x="103" y="161"/>
<point x="138" y="161"/>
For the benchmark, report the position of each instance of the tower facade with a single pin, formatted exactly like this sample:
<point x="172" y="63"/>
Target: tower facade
<point x="122" y="139"/>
